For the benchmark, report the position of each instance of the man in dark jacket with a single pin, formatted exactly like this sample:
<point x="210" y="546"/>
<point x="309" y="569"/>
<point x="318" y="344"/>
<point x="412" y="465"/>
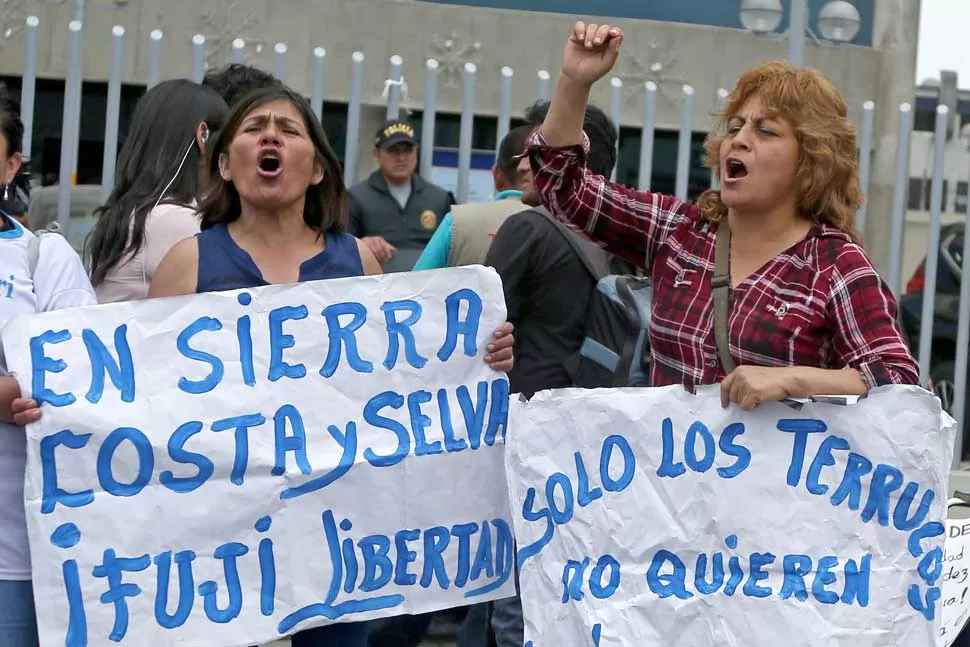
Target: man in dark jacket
<point x="547" y="293"/>
<point x="395" y="211"/>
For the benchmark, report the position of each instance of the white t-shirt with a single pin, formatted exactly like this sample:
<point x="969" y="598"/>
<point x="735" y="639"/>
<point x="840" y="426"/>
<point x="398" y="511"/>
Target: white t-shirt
<point x="59" y="281"/>
<point x="129" y="280"/>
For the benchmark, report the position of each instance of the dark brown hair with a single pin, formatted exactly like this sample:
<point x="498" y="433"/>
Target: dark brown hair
<point x="325" y="206"/>
<point x="159" y="163"/>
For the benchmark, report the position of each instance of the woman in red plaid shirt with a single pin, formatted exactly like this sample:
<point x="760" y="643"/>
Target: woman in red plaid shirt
<point x="808" y="314"/>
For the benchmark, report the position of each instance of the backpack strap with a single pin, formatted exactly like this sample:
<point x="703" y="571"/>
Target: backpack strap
<point x="33" y="245"/>
<point x="721" y="286"/>
<point x="33" y="254"/>
<point x="597" y="264"/>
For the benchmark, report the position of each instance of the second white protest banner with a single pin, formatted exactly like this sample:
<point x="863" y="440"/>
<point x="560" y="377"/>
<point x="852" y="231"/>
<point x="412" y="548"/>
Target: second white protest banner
<point x="226" y="468"/>
<point x="658" y="518"/>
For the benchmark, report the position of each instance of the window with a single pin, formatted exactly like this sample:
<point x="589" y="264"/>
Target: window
<point x="48" y="119"/>
<point x="920" y="190"/>
<point x="915" y="195"/>
<point x="924" y="121"/>
<point x="664" y="170"/>
<point x="960" y="201"/>
<point x="334" y="122"/>
<point x="447" y="130"/>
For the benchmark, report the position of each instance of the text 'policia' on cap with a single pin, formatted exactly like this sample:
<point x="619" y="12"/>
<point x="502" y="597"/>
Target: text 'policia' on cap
<point x="394" y="132"/>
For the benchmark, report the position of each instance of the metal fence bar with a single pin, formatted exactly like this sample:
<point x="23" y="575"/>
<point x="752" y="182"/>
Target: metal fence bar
<point x="798" y="25"/>
<point x="544" y="83"/>
<point x="154" y="58"/>
<point x="504" y="107"/>
<point x="393" y="87"/>
<point x="865" y="162"/>
<point x="316" y="97"/>
<point x="29" y="84"/>
<point x="279" y="61"/>
<point x="933" y="245"/>
<point x="683" y="144"/>
<point x="428" y="118"/>
<point x="78" y="89"/>
<point x="198" y="58"/>
<point x="237" y="53"/>
<point x="353" y="117"/>
<point x="898" y="218"/>
<point x="466" y="130"/>
<point x="721" y="101"/>
<point x="70" y="124"/>
<point x="616" y="108"/>
<point x="646" y="140"/>
<point x="113" y="112"/>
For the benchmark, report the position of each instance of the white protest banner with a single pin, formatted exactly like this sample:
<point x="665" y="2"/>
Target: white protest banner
<point x="956" y="572"/>
<point x="226" y="468"/>
<point x="658" y="518"/>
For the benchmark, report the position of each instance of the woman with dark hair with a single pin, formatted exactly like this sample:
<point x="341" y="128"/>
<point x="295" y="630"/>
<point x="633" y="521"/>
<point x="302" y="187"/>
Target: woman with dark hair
<point x="162" y="173"/>
<point x="277" y="214"/>
<point x="38" y="275"/>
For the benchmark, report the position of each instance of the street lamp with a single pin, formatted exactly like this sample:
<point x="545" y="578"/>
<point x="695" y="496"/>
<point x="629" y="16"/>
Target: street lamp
<point x="761" y="16"/>
<point x="837" y="22"/>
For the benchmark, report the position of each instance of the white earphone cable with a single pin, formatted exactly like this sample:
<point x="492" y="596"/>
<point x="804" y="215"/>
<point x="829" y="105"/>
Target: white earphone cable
<point x="185" y="156"/>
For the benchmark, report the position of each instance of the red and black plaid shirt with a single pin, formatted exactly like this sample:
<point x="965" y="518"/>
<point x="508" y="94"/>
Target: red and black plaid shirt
<point x="820" y="303"/>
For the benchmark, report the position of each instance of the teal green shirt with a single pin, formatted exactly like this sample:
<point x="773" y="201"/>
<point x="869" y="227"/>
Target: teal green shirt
<point x="435" y="255"/>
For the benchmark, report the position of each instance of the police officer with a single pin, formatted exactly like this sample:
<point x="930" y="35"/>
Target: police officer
<point x="395" y="211"/>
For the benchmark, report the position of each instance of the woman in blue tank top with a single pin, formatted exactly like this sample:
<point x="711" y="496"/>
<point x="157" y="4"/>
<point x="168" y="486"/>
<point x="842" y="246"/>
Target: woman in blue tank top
<point x="276" y="214"/>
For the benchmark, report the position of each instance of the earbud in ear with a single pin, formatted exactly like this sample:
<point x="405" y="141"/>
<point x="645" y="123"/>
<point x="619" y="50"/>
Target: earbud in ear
<point x="205" y="134"/>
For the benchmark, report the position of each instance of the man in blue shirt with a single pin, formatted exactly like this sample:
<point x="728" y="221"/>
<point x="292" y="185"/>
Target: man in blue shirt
<point x="466" y="232"/>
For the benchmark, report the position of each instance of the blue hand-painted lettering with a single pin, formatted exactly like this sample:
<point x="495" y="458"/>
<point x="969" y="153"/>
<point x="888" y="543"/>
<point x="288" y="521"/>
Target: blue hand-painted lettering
<point x="561" y="495"/>
<point x="700" y="450"/>
<point x="828" y="579"/>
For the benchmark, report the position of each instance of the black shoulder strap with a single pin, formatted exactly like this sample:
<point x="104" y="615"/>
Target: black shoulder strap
<point x="721" y="286"/>
<point x="594" y="259"/>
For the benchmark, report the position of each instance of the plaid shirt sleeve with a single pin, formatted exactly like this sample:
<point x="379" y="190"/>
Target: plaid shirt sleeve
<point x="629" y="224"/>
<point x="863" y="313"/>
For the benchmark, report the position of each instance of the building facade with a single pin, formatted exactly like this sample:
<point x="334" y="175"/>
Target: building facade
<point x="700" y="43"/>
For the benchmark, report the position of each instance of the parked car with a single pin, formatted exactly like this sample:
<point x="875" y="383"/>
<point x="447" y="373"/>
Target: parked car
<point x="85" y="198"/>
<point x="946" y="310"/>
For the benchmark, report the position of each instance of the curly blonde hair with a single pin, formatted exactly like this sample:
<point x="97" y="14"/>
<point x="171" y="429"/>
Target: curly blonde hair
<point x="828" y="169"/>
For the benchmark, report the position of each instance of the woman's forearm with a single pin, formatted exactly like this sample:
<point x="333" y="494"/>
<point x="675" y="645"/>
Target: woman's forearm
<point x="9" y="391"/>
<point x="563" y="125"/>
<point x="808" y="382"/>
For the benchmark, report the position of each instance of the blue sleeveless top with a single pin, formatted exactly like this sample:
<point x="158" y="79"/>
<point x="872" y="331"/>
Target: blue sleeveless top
<point x="224" y="265"/>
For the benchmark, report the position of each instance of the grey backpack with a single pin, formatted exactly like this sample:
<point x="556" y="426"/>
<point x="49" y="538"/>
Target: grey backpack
<point x="615" y="351"/>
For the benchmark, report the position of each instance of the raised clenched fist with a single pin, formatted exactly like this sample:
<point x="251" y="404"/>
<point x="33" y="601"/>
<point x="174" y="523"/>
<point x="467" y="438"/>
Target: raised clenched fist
<point x="591" y="52"/>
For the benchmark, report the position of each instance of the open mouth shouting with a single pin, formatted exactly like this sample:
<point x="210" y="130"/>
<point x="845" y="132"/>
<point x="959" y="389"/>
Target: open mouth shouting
<point x="268" y="164"/>
<point x="734" y="170"/>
